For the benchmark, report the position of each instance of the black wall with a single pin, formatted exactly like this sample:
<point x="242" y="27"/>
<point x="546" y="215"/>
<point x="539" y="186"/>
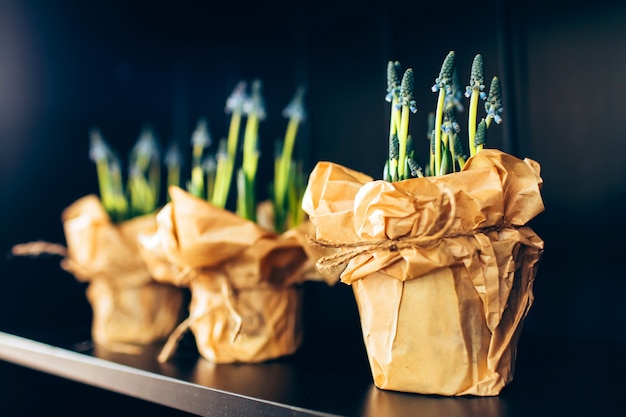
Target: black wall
<point x="118" y="65"/>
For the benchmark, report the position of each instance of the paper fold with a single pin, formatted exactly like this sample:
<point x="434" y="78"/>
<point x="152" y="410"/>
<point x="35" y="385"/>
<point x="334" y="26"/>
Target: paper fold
<point x="128" y="306"/>
<point x="243" y="278"/>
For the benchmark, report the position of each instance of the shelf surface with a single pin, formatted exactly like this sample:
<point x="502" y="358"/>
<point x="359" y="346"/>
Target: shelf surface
<point x="551" y="379"/>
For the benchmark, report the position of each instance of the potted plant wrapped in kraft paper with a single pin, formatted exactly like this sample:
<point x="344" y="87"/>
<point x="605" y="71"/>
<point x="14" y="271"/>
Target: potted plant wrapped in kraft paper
<point x="129" y="307"/>
<point x="441" y="262"/>
<point x="243" y="269"/>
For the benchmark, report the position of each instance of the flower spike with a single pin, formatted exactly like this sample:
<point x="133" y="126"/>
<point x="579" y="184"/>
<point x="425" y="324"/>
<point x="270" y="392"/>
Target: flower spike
<point x="393" y="84"/>
<point x="445" y="79"/>
<point x="493" y="105"/>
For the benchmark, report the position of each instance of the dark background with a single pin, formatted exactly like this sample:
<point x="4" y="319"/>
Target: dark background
<point x="65" y="67"/>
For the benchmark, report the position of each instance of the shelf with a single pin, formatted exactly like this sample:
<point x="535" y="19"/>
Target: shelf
<point x="550" y="380"/>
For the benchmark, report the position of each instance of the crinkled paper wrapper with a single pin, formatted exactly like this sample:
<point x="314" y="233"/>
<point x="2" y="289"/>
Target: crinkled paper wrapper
<point x="129" y="307"/>
<point x="244" y="280"/>
<point x="442" y="268"/>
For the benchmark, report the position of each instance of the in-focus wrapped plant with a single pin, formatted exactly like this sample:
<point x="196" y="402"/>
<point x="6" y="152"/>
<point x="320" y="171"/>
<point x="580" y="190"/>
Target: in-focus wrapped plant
<point x="441" y="261"/>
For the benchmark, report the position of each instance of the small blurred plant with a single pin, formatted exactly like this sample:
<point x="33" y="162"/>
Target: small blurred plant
<point x="141" y="194"/>
<point x="289" y="181"/>
<point x="212" y="175"/>
<point x="446" y="153"/>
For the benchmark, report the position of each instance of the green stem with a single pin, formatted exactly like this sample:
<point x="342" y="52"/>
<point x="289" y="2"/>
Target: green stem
<point x="224" y="174"/>
<point x="471" y="128"/>
<point x="173" y="176"/>
<point x="284" y="164"/>
<point x="104" y="180"/>
<point x="402" y="138"/>
<point x="438" y="121"/>
<point x="246" y="176"/>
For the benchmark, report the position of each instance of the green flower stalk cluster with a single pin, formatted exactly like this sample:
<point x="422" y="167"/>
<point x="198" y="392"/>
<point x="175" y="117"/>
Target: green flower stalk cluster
<point x="446" y="147"/>
<point x="400" y="95"/>
<point x="141" y="194"/>
<point x="211" y="175"/>
<point x="289" y="181"/>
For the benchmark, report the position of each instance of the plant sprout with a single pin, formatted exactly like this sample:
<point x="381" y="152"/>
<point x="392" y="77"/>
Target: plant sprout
<point x="474" y="91"/>
<point x="144" y="174"/>
<point x="227" y="152"/>
<point x="443" y="85"/>
<point x="400" y="95"/>
<point x="285" y="171"/>
<point x="200" y="140"/>
<point x="254" y="109"/>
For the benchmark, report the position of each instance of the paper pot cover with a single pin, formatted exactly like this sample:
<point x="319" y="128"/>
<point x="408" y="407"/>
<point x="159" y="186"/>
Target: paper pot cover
<point x="243" y="279"/>
<point x="442" y="268"/>
<point x="129" y="307"/>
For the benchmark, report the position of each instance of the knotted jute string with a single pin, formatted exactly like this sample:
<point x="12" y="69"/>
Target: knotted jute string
<point x="351" y="250"/>
<point x="38" y="248"/>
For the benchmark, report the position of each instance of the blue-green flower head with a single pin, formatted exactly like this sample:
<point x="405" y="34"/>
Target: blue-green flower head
<point x="393" y="84"/>
<point x="481" y="133"/>
<point x="173" y="156"/>
<point x="209" y="164"/>
<point x="201" y="137"/>
<point x="456" y="97"/>
<point x="254" y="103"/>
<point x="406" y="97"/>
<point x="146" y="145"/>
<point x="237" y="98"/>
<point x="115" y="166"/>
<point x="394" y="147"/>
<point x="416" y="170"/>
<point x="98" y="149"/>
<point x="445" y="79"/>
<point x="295" y="108"/>
<point x="493" y="105"/>
<point x="458" y="146"/>
<point x="477" y="79"/>
<point x="450" y="124"/>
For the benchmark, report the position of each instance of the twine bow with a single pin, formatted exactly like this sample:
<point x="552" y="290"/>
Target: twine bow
<point x="351" y="250"/>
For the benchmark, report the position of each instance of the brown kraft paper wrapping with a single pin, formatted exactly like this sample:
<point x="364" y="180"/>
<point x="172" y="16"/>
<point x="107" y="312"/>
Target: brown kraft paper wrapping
<point x="129" y="307"/>
<point x="442" y="268"/>
<point x="245" y="297"/>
